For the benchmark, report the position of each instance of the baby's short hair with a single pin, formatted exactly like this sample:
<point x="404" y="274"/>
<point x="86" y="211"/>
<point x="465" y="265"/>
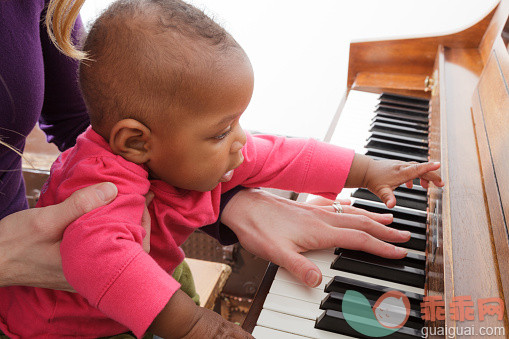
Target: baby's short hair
<point x="143" y="56"/>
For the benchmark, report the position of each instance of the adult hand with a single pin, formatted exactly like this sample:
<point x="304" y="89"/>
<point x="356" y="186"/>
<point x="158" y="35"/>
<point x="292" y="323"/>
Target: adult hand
<point x="279" y="230"/>
<point x="30" y="239"/>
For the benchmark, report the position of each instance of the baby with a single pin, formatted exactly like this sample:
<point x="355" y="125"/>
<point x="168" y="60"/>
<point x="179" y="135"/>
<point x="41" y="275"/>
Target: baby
<point x="165" y="87"/>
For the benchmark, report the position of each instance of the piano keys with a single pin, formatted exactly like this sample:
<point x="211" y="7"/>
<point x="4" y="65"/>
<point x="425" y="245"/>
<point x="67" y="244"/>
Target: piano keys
<point x="351" y="270"/>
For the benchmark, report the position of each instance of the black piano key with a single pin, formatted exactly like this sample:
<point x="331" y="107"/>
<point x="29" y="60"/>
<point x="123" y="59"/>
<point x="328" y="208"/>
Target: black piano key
<point x="415" y="132"/>
<point x="412" y="259"/>
<point x="408" y="225"/>
<point x="398" y="115"/>
<point x="417" y="242"/>
<point x="395" y="155"/>
<point x="417" y="189"/>
<point x="403" y="144"/>
<point x="381" y="132"/>
<point x="402" y="198"/>
<point x="334" y="321"/>
<point x="403" y="108"/>
<point x="416" y="193"/>
<point x="386" y="103"/>
<point x="391" y="138"/>
<point x="371" y="291"/>
<point x="365" y="264"/>
<point x="397" y="212"/>
<point x="423" y="127"/>
<point x="334" y="301"/>
<point x="400" y="146"/>
<point x="412" y="101"/>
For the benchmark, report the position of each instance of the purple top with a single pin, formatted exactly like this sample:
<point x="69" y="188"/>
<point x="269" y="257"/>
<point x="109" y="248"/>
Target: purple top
<point x="38" y="83"/>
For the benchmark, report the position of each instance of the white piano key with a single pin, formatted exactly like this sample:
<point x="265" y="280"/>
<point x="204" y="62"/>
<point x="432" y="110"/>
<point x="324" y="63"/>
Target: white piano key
<point x="292" y="306"/>
<point x="261" y="332"/>
<point x="297" y="291"/>
<point x="284" y="275"/>
<point x="326" y="255"/>
<point x="299" y="326"/>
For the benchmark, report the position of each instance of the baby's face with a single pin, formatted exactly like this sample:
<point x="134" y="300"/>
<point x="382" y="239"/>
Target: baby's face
<point x="205" y="145"/>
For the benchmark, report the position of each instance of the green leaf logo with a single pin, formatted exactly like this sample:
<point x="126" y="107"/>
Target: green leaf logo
<point x="389" y="313"/>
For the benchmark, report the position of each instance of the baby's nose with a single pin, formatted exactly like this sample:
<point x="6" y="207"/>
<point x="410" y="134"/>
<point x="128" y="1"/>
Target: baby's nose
<point x="236" y="146"/>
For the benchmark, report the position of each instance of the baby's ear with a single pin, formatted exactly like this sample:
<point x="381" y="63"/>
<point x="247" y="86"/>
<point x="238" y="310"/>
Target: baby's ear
<point x="130" y="139"/>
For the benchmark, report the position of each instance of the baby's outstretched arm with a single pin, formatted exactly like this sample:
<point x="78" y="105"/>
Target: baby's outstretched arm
<point x="382" y="176"/>
<point x="182" y="318"/>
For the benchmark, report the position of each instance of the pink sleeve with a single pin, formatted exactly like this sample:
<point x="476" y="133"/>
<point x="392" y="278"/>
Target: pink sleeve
<point x="102" y="256"/>
<point x="301" y="165"/>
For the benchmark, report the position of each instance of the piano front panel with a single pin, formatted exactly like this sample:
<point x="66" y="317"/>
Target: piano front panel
<point x="468" y="246"/>
<point x="491" y="122"/>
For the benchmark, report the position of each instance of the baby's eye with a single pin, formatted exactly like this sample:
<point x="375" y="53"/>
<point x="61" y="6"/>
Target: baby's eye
<point x="224" y="135"/>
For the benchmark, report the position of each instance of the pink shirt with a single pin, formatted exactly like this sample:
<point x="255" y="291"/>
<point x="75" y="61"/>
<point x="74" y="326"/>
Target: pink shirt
<point x="120" y="286"/>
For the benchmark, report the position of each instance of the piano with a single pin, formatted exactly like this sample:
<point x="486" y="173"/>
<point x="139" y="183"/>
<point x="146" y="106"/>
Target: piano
<point x="438" y="98"/>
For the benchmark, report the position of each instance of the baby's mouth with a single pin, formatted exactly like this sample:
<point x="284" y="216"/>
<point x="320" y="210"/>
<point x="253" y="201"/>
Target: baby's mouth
<point x="227" y="176"/>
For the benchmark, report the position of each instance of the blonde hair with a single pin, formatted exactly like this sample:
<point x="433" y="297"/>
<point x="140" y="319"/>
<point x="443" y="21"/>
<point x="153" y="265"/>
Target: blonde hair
<point x="12" y="148"/>
<point x="15" y="150"/>
<point x="60" y="19"/>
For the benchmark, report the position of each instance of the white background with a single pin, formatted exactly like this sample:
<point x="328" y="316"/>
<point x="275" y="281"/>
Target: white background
<point x="299" y="49"/>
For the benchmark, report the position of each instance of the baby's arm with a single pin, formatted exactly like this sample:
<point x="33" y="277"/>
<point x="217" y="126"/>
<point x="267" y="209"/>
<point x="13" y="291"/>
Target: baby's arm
<point x="383" y="176"/>
<point x="182" y="318"/>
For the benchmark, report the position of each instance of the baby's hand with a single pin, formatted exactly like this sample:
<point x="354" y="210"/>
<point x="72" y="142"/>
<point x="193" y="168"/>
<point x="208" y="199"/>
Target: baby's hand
<point x="383" y="176"/>
<point x="181" y="318"/>
<point x="212" y="325"/>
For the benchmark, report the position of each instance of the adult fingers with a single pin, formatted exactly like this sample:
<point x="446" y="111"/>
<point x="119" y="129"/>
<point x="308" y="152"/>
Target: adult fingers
<point x="79" y="203"/>
<point x="146" y="222"/>
<point x="361" y="241"/>
<point x="301" y="267"/>
<point x="383" y="218"/>
<point x="366" y="224"/>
